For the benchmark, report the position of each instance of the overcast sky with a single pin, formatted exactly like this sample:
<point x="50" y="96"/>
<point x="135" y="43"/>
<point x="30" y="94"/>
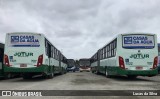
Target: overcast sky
<point x="79" y="27"/>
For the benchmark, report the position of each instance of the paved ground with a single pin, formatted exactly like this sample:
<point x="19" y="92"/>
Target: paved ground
<point x="82" y="81"/>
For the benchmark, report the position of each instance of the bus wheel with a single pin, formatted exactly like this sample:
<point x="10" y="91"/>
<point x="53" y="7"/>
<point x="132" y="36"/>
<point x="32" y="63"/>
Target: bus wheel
<point x="8" y="76"/>
<point x="107" y="75"/>
<point x="65" y="71"/>
<point x="27" y="76"/>
<point x="97" y="72"/>
<point x="45" y="76"/>
<point x="62" y="72"/>
<point x="132" y="76"/>
<point x="51" y="75"/>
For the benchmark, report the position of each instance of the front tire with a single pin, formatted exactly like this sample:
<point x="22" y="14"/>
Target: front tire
<point x="51" y="75"/>
<point x="97" y="72"/>
<point x="27" y="76"/>
<point x="132" y="76"/>
<point x="106" y="74"/>
<point x="7" y="76"/>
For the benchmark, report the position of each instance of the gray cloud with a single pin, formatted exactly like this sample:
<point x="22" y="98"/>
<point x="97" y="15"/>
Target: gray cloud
<point x="79" y="27"/>
<point x="68" y="33"/>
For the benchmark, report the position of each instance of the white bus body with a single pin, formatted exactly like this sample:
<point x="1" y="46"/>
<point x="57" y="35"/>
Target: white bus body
<point x="128" y="54"/>
<point x="31" y="54"/>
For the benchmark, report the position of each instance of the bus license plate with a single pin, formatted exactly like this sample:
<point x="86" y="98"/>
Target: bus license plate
<point x="23" y="65"/>
<point x="139" y="68"/>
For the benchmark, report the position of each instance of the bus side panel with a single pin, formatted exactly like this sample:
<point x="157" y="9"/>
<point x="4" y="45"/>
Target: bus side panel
<point x="108" y="64"/>
<point x="56" y="66"/>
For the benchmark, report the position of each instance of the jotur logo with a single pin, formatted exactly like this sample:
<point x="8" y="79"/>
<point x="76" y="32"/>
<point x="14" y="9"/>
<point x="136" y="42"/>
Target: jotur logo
<point x="23" y="54"/>
<point x="139" y="56"/>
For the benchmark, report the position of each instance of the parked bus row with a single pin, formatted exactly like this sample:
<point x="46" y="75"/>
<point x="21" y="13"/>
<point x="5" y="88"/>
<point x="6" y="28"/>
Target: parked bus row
<point x="127" y="54"/>
<point x="29" y="54"/>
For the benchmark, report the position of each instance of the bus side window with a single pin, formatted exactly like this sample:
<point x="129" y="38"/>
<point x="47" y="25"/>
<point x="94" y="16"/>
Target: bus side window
<point x="104" y="53"/>
<point x="46" y="47"/>
<point x="1" y="55"/>
<point x="115" y="46"/>
<point x="55" y="55"/>
<point x="49" y="50"/>
<point x="62" y="58"/>
<point x="52" y="51"/>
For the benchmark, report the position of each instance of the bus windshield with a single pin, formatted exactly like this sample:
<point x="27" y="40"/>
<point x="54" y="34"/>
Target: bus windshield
<point x="138" y="41"/>
<point x="71" y="63"/>
<point x="24" y="40"/>
<point x="84" y="63"/>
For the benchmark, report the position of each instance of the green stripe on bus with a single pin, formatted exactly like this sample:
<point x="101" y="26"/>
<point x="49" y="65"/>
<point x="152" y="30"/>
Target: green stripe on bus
<point x="119" y="71"/>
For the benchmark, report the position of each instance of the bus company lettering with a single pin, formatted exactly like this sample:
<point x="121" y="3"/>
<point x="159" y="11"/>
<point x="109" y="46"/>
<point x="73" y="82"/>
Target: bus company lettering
<point x="139" y="56"/>
<point x="138" y="40"/>
<point x="23" y="39"/>
<point x="142" y="42"/>
<point x="23" y="54"/>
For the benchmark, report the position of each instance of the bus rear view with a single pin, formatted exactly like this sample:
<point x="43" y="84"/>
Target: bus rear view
<point x="138" y="55"/>
<point x="23" y="53"/>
